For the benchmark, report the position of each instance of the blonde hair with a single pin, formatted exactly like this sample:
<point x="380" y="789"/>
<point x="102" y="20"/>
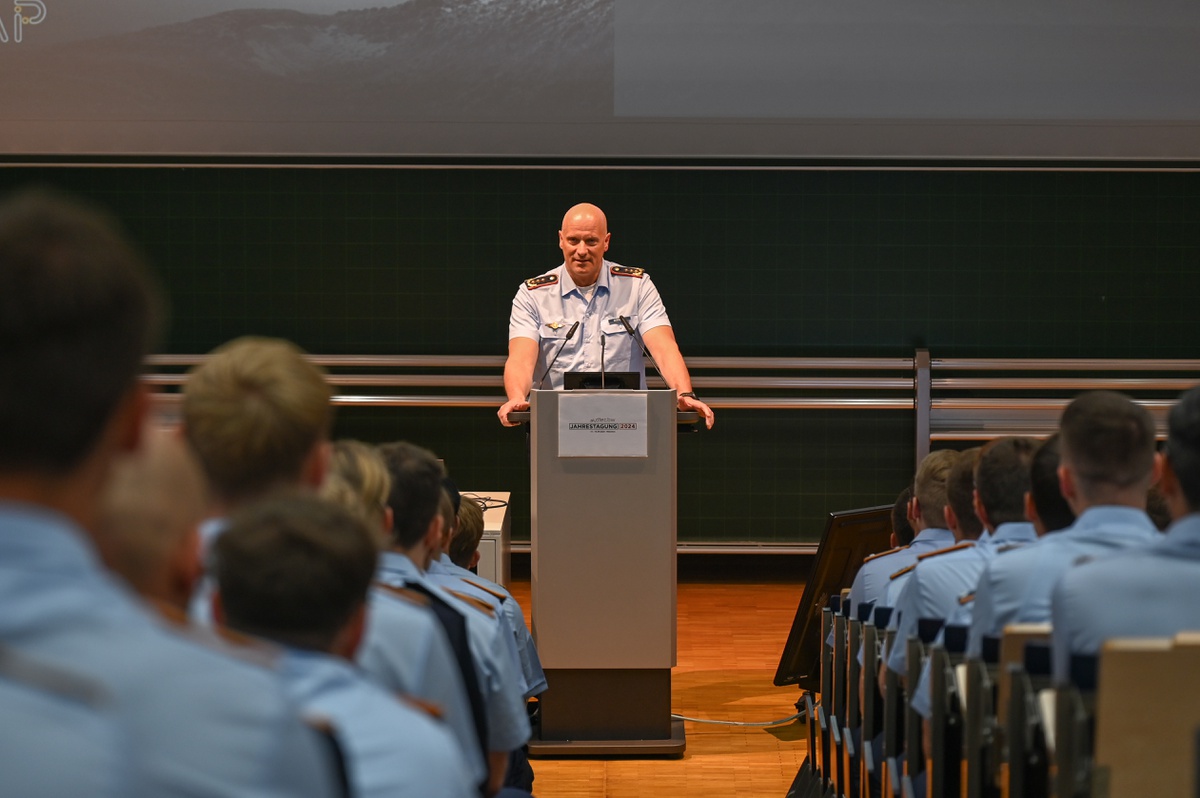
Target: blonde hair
<point x="930" y="486"/>
<point x="151" y="504"/>
<point x="358" y="481"/>
<point x="253" y="411"/>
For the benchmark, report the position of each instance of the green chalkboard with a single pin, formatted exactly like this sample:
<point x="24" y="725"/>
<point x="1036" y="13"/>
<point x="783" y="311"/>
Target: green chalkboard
<point x="750" y="262"/>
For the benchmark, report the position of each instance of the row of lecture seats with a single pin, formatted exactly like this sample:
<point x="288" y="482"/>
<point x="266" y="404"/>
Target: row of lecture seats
<point x="1126" y="726"/>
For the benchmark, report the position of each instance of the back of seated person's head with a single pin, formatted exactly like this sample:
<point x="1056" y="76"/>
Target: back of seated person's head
<point x="256" y="412"/>
<point x="960" y="494"/>
<point x="416" y="494"/>
<point x="358" y="481"/>
<point x="1182" y="449"/>
<point x="929" y="487"/>
<point x="1053" y="512"/>
<point x="901" y="529"/>
<point x="294" y="569"/>
<point x="78" y="314"/>
<point x="1108" y="443"/>
<point x="1002" y="478"/>
<point x="151" y="505"/>
<point x="464" y="545"/>
<point x="449" y="516"/>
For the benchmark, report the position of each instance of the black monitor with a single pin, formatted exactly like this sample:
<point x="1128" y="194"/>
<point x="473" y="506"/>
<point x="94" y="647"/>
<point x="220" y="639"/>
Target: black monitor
<point x="850" y="536"/>
<point x="594" y="380"/>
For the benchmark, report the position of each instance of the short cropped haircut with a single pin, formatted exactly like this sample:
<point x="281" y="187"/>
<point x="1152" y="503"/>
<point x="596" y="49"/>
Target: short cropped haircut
<point x="930" y="486"/>
<point x="1108" y="439"/>
<point x="78" y="314"/>
<point x="901" y="528"/>
<point x="358" y="480"/>
<point x="416" y="493"/>
<point x="253" y="411"/>
<point x="1002" y="478"/>
<point x="960" y="493"/>
<point x="1183" y="445"/>
<point x="1045" y="489"/>
<point x="293" y="569"/>
<point x="468" y="533"/>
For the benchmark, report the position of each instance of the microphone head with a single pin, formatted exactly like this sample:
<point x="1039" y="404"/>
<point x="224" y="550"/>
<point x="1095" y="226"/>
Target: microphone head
<point x="625" y="324"/>
<point x="571" y="332"/>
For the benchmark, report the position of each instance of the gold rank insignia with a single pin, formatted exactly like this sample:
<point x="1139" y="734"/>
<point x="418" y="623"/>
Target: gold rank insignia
<point x="541" y="282"/>
<point x="966" y="544"/>
<point x="903" y="571"/>
<point x="966" y="599"/>
<point x="626" y="271"/>
<point x="883" y="553"/>
<point x="556" y="325"/>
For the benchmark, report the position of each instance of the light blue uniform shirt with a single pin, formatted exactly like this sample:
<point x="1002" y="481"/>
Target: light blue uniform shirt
<point x="937" y="584"/>
<point x="989" y="545"/>
<point x="57" y="740"/>
<point x="545" y="313"/>
<point x="391" y="750"/>
<point x="502" y="686"/>
<point x="405" y="650"/>
<point x="200" y="723"/>
<point x="1149" y="592"/>
<point x="870" y="584"/>
<point x="1016" y="588"/>
<point x="200" y="607"/>
<point x="444" y="572"/>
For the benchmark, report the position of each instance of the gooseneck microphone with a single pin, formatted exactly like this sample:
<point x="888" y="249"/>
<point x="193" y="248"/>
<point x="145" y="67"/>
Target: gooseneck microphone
<point x="645" y="352"/>
<point x="570" y="334"/>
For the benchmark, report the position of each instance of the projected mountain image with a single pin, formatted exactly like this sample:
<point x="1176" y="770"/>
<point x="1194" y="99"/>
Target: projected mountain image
<point x="421" y="61"/>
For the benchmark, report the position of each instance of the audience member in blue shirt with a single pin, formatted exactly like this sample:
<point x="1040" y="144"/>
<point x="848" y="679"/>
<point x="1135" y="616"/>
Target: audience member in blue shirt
<point x="296" y="571"/>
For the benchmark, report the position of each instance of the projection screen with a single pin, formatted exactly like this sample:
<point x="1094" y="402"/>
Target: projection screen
<point x="622" y="79"/>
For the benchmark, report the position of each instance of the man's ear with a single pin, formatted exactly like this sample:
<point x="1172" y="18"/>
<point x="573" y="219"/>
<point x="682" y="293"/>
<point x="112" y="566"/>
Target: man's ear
<point x="218" y="608"/>
<point x="951" y="518"/>
<point x="433" y="535"/>
<point x="979" y="510"/>
<point x="316" y="465"/>
<point x="184" y="569"/>
<point x="474" y="560"/>
<point x="914" y="510"/>
<point x="351" y="635"/>
<point x="1066" y="483"/>
<point x="131" y="417"/>
<point x="1156" y="468"/>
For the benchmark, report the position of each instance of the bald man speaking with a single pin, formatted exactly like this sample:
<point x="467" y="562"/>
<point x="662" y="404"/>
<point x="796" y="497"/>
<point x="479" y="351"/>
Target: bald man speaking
<point x="601" y="297"/>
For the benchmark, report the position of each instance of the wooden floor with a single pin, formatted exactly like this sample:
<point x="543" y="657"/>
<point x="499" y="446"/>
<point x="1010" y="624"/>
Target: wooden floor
<point x="730" y="637"/>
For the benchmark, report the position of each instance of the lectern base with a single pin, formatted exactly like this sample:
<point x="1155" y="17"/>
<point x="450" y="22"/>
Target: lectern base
<point x="673" y="746"/>
<point x="607" y="711"/>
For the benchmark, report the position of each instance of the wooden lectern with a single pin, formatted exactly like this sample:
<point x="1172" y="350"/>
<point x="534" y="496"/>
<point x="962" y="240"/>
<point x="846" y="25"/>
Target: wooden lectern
<point x="603" y="570"/>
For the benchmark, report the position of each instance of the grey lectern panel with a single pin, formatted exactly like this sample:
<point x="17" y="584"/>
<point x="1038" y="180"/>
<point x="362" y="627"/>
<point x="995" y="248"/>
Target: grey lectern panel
<point x="603" y="541"/>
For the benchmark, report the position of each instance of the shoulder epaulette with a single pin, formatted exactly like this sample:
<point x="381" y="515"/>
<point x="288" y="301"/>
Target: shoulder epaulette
<point x="425" y="707"/>
<point x="411" y="596"/>
<point x="477" y="603"/>
<point x="966" y="544"/>
<point x="626" y="271"/>
<point x="903" y="571"/>
<point x="490" y="591"/>
<point x="967" y="599"/>
<point x="541" y="282"/>
<point x="879" y="554"/>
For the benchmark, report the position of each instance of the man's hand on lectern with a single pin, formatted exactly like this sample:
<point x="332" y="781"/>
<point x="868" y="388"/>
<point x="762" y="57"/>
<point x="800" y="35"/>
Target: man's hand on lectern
<point x="514" y="406"/>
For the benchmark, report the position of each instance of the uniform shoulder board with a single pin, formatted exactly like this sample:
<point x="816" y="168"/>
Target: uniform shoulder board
<point x="903" y="571"/>
<point x="420" y="705"/>
<point x="966" y="599"/>
<point x="36" y="674"/>
<point x="877" y="555"/>
<point x="541" y="282"/>
<point x="966" y="544"/>
<point x="490" y="591"/>
<point x="626" y="271"/>
<point x="404" y="594"/>
<point x="477" y="603"/>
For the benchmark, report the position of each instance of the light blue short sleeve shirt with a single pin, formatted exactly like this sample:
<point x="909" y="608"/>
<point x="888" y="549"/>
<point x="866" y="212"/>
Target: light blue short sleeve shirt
<point x="545" y="308"/>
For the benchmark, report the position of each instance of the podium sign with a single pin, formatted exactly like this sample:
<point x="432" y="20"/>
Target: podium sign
<point x="603" y="571"/>
<point x="604" y="424"/>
